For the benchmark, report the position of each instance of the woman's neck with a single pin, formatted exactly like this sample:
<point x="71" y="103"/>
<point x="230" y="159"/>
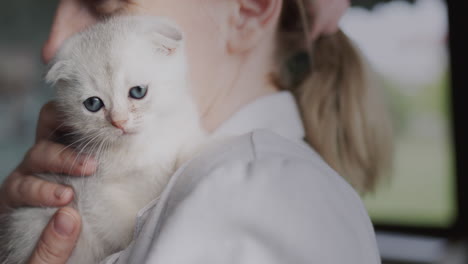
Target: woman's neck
<point x="229" y="103"/>
<point x="248" y="79"/>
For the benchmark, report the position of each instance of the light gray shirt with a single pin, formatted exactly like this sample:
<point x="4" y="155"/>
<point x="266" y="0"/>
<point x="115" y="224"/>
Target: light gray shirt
<point x="264" y="196"/>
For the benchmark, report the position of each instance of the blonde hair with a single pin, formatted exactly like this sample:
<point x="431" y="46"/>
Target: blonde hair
<point x="344" y="116"/>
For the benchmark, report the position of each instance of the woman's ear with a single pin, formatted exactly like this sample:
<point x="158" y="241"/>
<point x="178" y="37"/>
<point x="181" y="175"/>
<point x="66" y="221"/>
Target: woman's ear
<point x="251" y="21"/>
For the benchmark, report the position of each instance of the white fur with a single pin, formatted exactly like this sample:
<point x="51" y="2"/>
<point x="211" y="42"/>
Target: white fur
<point x="106" y="61"/>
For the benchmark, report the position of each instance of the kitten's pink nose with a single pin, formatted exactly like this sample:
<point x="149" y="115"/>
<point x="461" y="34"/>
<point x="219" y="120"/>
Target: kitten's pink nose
<point x="119" y="124"/>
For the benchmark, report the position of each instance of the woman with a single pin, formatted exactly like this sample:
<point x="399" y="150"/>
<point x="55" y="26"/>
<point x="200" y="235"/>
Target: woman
<point x="247" y="59"/>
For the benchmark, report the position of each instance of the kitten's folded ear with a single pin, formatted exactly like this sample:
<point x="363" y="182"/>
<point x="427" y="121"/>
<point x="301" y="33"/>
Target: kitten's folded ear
<point x="55" y="72"/>
<point x="59" y="67"/>
<point x="164" y="34"/>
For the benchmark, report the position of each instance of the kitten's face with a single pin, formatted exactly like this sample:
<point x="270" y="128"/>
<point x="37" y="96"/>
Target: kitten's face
<point x="113" y="97"/>
<point x="113" y="87"/>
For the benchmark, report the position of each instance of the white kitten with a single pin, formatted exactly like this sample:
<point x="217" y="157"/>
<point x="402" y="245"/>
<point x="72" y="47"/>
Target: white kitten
<point x="123" y="90"/>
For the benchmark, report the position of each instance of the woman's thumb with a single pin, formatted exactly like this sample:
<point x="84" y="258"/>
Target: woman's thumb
<point x="58" y="238"/>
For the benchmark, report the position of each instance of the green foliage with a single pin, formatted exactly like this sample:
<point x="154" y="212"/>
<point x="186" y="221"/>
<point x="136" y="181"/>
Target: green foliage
<point x="421" y="191"/>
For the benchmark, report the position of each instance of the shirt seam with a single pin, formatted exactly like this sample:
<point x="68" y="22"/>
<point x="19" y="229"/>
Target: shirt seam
<point x="254" y="147"/>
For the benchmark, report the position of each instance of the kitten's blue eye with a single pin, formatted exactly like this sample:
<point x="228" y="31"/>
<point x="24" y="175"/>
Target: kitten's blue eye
<point x="137" y="92"/>
<point x="93" y="104"/>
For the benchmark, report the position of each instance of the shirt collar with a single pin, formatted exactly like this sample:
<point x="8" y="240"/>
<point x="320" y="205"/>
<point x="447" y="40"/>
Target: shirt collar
<point x="277" y="112"/>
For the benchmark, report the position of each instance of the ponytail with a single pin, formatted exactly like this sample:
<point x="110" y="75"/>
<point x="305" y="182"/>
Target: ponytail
<point x="344" y="116"/>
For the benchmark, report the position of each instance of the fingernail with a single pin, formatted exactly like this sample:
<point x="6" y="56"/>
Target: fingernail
<point x="60" y="191"/>
<point x="82" y="159"/>
<point x="87" y="161"/>
<point x="64" y="223"/>
<point x="64" y="193"/>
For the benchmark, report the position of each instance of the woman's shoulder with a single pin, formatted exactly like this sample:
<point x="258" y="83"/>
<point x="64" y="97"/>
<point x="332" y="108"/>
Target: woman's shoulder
<point x="271" y="167"/>
<point x="266" y="198"/>
<point x="256" y="146"/>
<point x="263" y="151"/>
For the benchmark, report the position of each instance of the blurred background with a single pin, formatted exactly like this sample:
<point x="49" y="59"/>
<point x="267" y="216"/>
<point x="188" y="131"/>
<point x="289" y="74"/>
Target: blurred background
<point x="407" y="44"/>
<point x="24" y="27"/>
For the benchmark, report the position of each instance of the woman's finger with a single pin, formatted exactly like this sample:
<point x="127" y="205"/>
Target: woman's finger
<point x="32" y="191"/>
<point x="58" y="239"/>
<point x="317" y="25"/>
<point x="48" y="156"/>
<point x="325" y="16"/>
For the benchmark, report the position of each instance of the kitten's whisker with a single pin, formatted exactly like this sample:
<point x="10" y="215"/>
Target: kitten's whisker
<point x="83" y="149"/>
<point x="99" y="151"/>
<point x="55" y="130"/>
<point x="70" y="145"/>
<point x="73" y="143"/>
<point x="106" y="148"/>
<point x="93" y="147"/>
<point x="96" y="147"/>
<point x="78" y="154"/>
<point x="93" y="142"/>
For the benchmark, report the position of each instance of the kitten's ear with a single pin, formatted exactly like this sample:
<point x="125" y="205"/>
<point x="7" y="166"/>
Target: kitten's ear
<point x="56" y="72"/>
<point x="59" y="68"/>
<point x="166" y="36"/>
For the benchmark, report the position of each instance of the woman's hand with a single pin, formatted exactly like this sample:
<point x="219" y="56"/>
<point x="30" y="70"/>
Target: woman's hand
<point x="58" y="239"/>
<point x="22" y="188"/>
<point x="325" y="16"/>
